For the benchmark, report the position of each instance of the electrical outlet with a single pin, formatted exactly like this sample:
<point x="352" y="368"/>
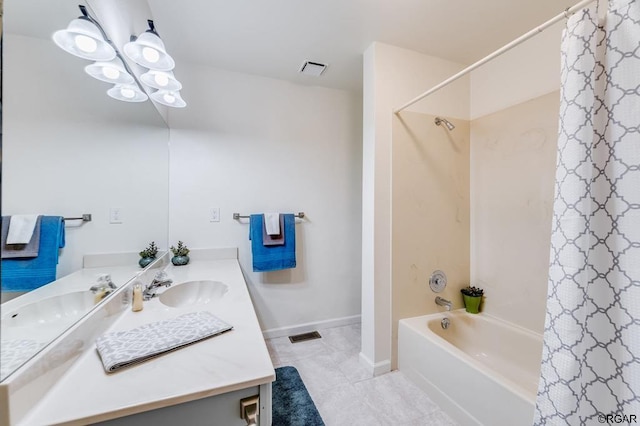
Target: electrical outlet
<point x="214" y="214"/>
<point x="115" y="215"/>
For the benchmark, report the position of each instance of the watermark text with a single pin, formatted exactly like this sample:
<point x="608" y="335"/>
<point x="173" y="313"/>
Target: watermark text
<point x="617" y="418"/>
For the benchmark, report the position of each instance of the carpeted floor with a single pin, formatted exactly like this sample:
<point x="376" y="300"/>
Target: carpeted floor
<point x="292" y="404"/>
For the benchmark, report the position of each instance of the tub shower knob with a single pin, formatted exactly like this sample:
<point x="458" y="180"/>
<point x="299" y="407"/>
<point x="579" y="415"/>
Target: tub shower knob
<point x="437" y="281"/>
<point x="445" y="323"/>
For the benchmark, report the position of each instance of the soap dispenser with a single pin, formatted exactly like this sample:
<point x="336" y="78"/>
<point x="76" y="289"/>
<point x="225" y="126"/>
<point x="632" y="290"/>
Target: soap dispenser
<point x="137" y="297"/>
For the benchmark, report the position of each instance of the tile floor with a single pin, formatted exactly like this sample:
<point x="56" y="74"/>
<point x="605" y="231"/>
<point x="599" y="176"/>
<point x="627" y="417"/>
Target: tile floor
<point x="344" y="393"/>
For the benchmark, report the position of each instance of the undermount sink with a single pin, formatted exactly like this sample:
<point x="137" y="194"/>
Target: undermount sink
<point x="57" y="309"/>
<point x="193" y="293"/>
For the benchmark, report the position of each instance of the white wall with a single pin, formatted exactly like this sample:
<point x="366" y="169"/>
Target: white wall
<point x="245" y="144"/>
<point x="512" y="182"/>
<point x="251" y="144"/>
<point x="69" y="149"/>
<point x="514" y="106"/>
<point x="392" y="76"/>
<point x="430" y="202"/>
<point x="527" y="71"/>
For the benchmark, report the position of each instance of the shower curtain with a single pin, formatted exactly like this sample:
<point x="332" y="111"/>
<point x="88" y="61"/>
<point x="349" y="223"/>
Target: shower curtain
<point x="591" y="354"/>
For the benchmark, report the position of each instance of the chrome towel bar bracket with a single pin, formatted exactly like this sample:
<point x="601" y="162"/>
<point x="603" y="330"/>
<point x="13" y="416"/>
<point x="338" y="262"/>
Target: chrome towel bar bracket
<point x="85" y="218"/>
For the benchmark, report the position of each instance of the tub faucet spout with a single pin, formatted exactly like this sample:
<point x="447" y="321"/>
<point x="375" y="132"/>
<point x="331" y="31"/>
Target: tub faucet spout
<point x="443" y="302"/>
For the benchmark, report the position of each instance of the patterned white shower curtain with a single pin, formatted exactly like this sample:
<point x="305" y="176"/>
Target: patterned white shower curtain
<point x="591" y="355"/>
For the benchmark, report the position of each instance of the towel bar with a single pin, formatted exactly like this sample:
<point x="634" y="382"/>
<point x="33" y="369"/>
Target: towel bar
<point x="237" y="216"/>
<point x="85" y="218"/>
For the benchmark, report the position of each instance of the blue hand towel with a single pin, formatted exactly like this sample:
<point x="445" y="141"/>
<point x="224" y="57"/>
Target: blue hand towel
<point x="272" y="258"/>
<point x="26" y="274"/>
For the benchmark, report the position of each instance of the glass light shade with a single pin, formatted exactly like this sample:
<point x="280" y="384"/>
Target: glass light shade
<point x="111" y="72"/>
<point x="161" y="80"/>
<point x="83" y="39"/>
<point x="148" y="50"/>
<point x="169" y="98"/>
<point x="127" y="93"/>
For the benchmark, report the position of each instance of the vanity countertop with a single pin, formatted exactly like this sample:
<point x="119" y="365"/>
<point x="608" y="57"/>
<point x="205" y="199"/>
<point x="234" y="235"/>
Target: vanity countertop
<point x="234" y="360"/>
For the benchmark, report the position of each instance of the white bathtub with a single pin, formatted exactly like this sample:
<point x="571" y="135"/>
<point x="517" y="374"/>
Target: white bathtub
<point x="480" y="370"/>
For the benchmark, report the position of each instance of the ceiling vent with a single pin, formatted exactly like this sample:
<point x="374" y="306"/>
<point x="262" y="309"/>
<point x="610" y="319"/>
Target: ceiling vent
<point x="314" y="69"/>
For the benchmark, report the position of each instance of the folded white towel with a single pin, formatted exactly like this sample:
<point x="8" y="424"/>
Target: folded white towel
<point x="21" y="228"/>
<point x="121" y="349"/>
<point x="272" y="223"/>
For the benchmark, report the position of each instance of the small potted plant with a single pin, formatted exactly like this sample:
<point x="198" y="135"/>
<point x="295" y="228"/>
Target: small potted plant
<point x="180" y="254"/>
<point x="472" y="298"/>
<point x="148" y="255"/>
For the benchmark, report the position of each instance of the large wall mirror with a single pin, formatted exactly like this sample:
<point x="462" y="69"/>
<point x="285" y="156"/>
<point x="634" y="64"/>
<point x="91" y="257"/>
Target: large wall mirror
<point x="68" y="149"/>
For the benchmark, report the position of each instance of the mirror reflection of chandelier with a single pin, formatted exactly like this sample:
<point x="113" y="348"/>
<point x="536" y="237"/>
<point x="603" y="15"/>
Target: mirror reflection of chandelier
<point x="85" y="38"/>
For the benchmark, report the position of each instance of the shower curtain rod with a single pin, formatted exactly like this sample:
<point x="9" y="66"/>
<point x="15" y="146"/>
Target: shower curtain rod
<point x="569" y="11"/>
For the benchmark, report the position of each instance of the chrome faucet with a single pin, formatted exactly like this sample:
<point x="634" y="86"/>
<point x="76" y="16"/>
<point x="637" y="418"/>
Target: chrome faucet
<point x="104" y="282"/>
<point x="443" y="302"/>
<point x="160" y="280"/>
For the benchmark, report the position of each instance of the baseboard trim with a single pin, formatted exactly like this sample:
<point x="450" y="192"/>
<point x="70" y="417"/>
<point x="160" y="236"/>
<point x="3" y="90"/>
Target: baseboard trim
<point x="310" y="326"/>
<point x="376" y="369"/>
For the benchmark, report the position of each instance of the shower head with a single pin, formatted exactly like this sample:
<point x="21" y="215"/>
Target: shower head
<point x="446" y="122"/>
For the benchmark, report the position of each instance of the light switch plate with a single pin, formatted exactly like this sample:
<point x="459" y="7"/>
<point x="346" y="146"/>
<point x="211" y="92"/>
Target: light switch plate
<point x="115" y="215"/>
<point x="214" y="214"/>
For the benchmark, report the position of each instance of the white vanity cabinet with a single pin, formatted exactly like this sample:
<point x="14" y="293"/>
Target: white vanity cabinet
<point x="222" y="410"/>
